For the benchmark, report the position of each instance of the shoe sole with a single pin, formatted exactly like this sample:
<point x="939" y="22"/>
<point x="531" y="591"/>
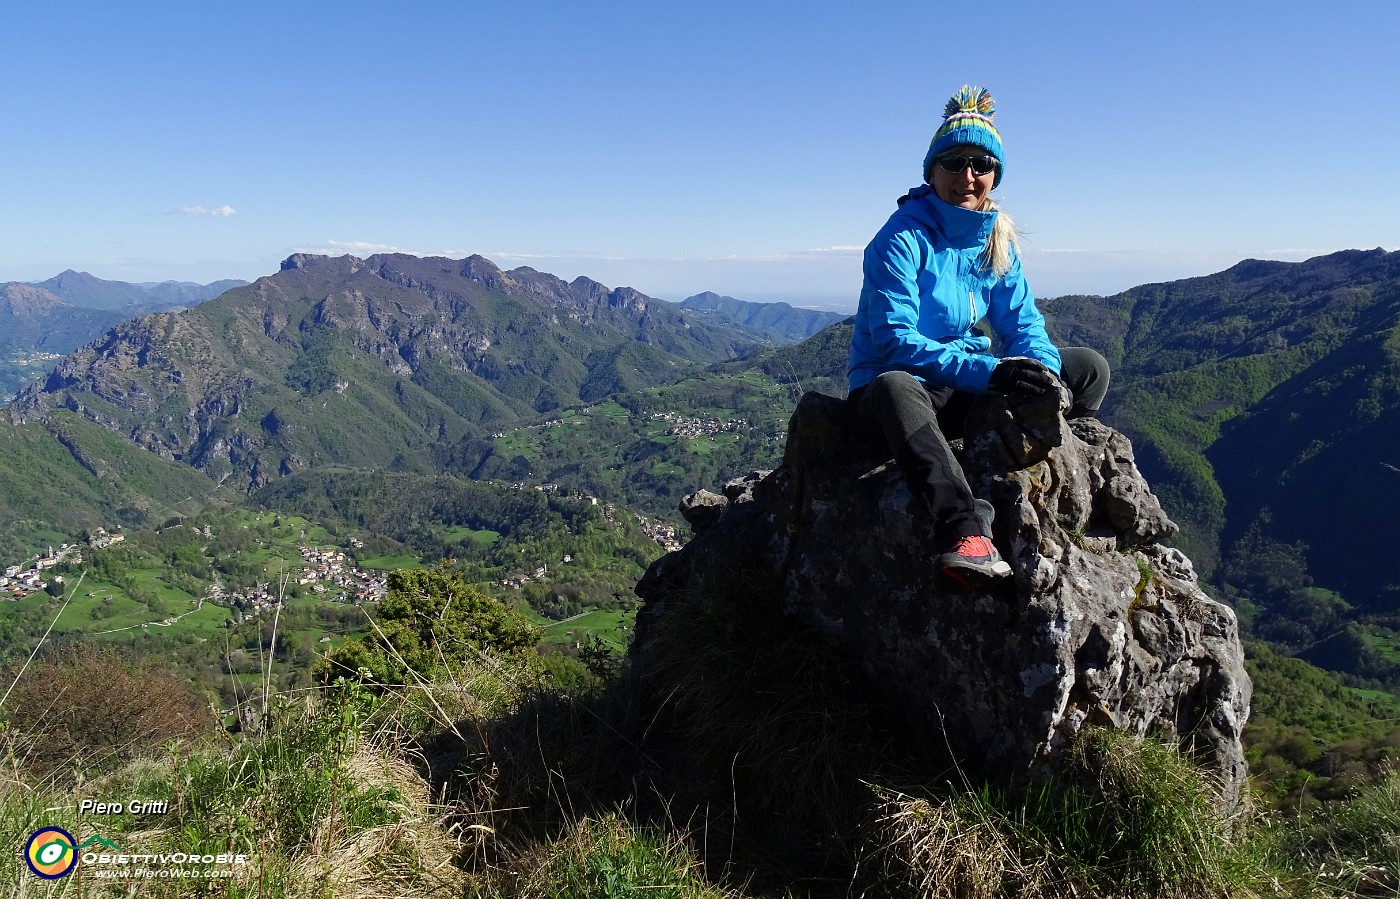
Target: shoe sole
<point x="977" y="576"/>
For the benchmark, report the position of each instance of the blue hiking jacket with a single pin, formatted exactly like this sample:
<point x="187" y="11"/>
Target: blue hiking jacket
<point x="925" y="289"/>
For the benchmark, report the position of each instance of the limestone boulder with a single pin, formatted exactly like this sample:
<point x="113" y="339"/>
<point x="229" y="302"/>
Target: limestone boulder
<point x="1101" y="624"/>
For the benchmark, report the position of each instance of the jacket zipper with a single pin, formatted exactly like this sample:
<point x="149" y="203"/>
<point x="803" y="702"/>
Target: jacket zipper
<point x="971" y="310"/>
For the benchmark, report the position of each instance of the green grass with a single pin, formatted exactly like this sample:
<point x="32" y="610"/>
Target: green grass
<point x="202" y="623"/>
<point x="31" y="604"/>
<point x="77" y="616"/>
<point x="315" y="807"/>
<point x="1354" y="848"/>
<point x="1131" y="818"/>
<point x="151" y="580"/>
<point x="275" y="560"/>
<point x="516" y="443"/>
<point x="460" y="533"/>
<point x="390" y="562"/>
<point x="614" y="627"/>
<point x="1387" y="644"/>
<point x="1387" y="704"/>
<point x="150" y="615"/>
<point x="544" y="800"/>
<point x="610" y="410"/>
<point x="706" y="445"/>
<point x="276" y="529"/>
<point x="611" y="857"/>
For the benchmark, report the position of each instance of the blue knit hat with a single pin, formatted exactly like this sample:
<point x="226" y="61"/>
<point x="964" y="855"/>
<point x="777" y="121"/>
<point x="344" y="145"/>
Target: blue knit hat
<point x="967" y="119"/>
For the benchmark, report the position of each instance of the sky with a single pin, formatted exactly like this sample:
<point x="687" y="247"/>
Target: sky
<point x="747" y="148"/>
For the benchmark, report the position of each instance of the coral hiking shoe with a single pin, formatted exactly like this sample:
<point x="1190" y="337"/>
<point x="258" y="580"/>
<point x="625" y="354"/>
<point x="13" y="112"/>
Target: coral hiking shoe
<point x="973" y="562"/>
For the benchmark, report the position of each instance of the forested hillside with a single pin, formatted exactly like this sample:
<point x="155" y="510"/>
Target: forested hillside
<point x="68" y="474"/>
<point x="1262" y="401"/>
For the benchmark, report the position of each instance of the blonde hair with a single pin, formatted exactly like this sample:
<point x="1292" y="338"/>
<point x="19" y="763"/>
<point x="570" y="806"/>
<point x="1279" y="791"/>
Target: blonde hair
<point x="1003" y="240"/>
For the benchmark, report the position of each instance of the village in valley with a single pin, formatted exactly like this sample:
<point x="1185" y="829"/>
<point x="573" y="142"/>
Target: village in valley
<point x="683" y="426"/>
<point x="327" y="573"/>
<point x="663" y="533"/>
<point x="28" y="577"/>
<point x="196" y="578"/>
<point x="666" y="535"/>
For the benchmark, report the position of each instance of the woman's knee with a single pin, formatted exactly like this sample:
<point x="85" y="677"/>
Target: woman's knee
<point x="896" y="404"/>
<point x="1085" y="371"/>
<point x="901" y="393"/>
<point x="896" y="382"/>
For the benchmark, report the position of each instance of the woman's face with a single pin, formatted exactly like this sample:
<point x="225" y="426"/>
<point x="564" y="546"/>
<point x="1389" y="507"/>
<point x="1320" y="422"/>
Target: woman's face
<point x="965" y="189"/>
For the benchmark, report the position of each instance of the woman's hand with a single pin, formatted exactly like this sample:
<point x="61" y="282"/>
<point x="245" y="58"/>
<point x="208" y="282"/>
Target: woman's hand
<point x="1020" y="379"/>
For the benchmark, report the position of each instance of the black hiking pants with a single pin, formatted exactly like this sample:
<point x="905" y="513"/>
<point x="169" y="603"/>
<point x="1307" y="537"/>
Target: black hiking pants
<point x="914" y="422"/>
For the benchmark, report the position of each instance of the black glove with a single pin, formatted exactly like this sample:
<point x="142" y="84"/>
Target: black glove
<point x="1021" y="379"/>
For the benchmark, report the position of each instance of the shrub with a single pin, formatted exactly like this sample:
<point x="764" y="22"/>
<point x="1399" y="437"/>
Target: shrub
<point x="315" y="802"/>
<point x="429" y="622"/>
<point x="90" y="708"/>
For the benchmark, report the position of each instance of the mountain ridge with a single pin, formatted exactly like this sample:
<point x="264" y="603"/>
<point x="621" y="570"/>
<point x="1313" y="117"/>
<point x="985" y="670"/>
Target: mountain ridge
<point x="412" y="352"/>
<point x="60" y="314"/>
<point x="772" y="321"/>
<point x="34" y="318"/>
<point x="91" y="292"/>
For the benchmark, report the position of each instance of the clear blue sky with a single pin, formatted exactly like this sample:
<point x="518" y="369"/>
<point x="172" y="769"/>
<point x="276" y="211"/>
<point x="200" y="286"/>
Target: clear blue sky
<point x="746" y="148"/>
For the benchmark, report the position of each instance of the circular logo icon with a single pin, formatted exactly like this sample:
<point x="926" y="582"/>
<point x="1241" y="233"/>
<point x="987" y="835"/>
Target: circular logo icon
<point x="50" y="852"/>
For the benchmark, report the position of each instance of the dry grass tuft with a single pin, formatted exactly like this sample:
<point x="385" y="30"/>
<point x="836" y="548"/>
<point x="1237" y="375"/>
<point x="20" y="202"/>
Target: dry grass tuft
<point x="411" y="856"/>
<point x="936" y="849"/>
<point x="607" y="856"/>
<point x="1124" y="819"/>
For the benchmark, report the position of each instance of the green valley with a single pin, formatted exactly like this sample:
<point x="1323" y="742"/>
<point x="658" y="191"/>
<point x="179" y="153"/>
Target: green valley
<point x="647" y="448"/>
<point x="194" y="587"/>
<point x="269" y="458"/>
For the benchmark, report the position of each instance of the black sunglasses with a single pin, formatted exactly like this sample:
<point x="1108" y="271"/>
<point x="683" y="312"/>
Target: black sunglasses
<point x="981" y="165"/>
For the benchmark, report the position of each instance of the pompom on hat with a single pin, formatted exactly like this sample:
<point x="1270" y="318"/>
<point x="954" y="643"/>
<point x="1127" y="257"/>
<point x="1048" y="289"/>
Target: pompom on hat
<point x="967" y="120"/>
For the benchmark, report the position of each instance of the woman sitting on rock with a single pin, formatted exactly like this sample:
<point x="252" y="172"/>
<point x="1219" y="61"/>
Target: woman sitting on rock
<point x="946" y="259"/>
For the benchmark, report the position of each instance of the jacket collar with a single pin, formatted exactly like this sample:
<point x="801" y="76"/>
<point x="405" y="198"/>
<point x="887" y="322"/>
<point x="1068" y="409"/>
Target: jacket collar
<point x="960" y="227"/>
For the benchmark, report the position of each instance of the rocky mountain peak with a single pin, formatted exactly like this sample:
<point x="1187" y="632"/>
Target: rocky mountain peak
<point x="337" y="265"/>
<point x="427" y="349"/>
<point x="581" y="299"/>
<point x="479" y="268"/>
<point x="1101" y="624"/>
<point x="68" y="277"/>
